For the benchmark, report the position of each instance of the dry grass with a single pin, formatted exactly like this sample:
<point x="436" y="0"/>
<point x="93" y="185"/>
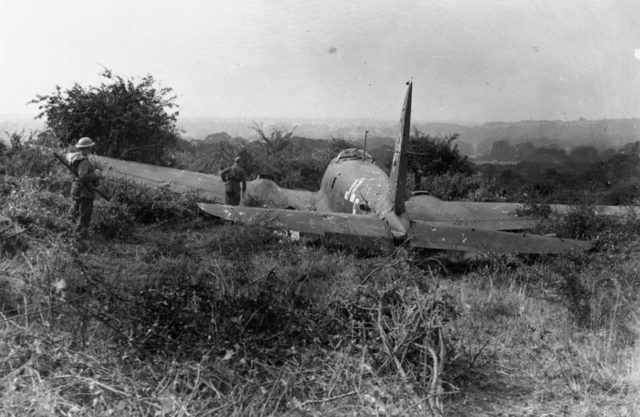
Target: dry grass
<point x="513" y="345"/>
<point x="283" y="328"/>
<point x="202" y="319"/>
<point x="530" y="356"/>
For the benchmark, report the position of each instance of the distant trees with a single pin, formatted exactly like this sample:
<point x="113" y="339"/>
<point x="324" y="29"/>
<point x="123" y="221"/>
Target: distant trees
<point x="502" y="150"/>
<point x="291" y="161"/>
<point x="545" y="175"/>
<point x="430" y="156"/>
<point x="631" y="149"/>
<point x="524" y="150"/>
<point x="207" y="157"/>
<point x="15" y="140"/>
<point x="548" y="155"/>
<point x="337" y="145"/>
<point x="298" y="164"/>
<point x="584" y="154"/>
<point x="275" y="141"/>
<point x="127" y="118"/>
<point x="585" y="174"/>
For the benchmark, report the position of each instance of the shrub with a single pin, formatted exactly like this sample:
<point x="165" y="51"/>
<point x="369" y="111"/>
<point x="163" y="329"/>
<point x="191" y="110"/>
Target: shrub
<point x="436" y="156"/>
<point x="456" y="186"/>
<point x="42" y="211"/>
<point x="623" y="194"/>
<point x="127" y="118"/>
<point x="29" y="161"/>
<point x="609" y="233"/>
<point x="113" y="220"/>
<point x="150" y="204"/>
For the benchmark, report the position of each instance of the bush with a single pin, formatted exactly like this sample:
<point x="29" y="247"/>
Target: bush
<point x="29" y="161"/>
<point x="609" y="233"/>
<point x="458" y="186"/>
<point x="148" y="205"/>
<point x="42" y="211"/>
<point x="127" y="119"/>
<point x="113" y="220"/>
<point x="622" y="194"/>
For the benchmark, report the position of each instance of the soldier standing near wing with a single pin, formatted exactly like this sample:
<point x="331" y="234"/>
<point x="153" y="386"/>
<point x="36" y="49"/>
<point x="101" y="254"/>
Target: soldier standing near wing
<point x="83" y="188"/>
<point x="234" y="177"/>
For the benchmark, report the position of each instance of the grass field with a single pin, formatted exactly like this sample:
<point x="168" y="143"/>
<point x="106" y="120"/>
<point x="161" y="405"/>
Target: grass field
<point x="167" y="313"/>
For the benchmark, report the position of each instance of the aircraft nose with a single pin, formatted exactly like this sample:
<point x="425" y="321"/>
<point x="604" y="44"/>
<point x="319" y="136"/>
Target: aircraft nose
<point x="399" y="225"/>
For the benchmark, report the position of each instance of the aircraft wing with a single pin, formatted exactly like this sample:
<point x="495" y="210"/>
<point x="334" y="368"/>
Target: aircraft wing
<point x="491" y="216"/>
<point x="431" y="235"/>
<point x="437" y="235"/>
<point x="260" y="192"/>
<point x="313" y="222"/>
<point x="209" y="186"/>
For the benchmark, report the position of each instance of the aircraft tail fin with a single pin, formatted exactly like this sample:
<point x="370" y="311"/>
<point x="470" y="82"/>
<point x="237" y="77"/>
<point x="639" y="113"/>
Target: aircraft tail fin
<point x="398" y="174"/>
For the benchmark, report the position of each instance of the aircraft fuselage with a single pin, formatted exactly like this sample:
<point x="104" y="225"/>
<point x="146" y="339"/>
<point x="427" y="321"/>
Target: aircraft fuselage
<point x="355" y="184"/>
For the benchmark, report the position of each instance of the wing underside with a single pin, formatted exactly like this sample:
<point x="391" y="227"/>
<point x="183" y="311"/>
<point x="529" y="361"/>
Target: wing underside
<point x="431" y="235"/>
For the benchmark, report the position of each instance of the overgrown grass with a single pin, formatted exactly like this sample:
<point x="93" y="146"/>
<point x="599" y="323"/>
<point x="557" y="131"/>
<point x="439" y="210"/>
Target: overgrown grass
<point x="522" y="333"/>
<point x="257" y="325"/>
<point x="164" y="312"/>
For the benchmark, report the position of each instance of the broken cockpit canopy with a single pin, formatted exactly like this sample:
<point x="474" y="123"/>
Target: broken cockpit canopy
<point x="353" y="153"/>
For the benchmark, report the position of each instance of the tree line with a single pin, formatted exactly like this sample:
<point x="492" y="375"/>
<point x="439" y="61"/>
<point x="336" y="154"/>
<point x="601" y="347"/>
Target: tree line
<point x="136" y="119"/>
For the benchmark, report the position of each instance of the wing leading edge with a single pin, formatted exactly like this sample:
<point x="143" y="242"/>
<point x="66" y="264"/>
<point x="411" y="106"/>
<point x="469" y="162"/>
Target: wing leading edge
<point x="313" y="222"/>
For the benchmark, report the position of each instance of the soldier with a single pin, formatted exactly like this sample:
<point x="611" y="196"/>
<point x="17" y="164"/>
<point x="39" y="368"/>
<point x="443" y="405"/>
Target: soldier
<point x="83" y="189"/>
<point x="233" y="177"/>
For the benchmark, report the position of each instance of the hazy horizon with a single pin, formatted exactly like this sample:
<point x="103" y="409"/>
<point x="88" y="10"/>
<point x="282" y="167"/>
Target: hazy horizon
<point x="494" y="60"/>
<point x="570" y="133"/>
<point x="271" y="121"/>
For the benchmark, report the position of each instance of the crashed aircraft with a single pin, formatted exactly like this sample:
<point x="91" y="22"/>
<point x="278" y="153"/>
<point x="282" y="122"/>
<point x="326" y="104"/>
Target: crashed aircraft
<point x="357" y="198"/>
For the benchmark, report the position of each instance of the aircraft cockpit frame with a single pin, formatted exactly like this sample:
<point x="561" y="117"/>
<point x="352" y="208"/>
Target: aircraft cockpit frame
<point x="351" y="154"/>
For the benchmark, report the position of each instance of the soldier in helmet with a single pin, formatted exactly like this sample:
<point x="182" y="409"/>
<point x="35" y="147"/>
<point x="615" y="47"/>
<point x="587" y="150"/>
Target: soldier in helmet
<point x="234" y="183"/>
<point x="83" y="188"/>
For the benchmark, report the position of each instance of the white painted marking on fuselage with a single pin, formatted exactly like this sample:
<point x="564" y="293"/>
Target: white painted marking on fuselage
<point x="351" y="194"/>
<point x="348" y="193"/>
<point x="356" y="203"/>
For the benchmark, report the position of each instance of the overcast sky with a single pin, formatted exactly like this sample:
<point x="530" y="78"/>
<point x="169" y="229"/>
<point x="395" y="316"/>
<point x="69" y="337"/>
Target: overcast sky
<point x="488" y="60"/>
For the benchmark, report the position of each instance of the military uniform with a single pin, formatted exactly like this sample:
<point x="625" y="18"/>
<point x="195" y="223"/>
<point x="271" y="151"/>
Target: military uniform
<point x="234" y="183"/>
<point x="83" y="191"/>
<point x="83" y="188"/>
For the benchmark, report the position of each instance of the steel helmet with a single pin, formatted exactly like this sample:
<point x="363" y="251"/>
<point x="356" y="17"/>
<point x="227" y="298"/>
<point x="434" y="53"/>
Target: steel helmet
<point x="84" y="142"/>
